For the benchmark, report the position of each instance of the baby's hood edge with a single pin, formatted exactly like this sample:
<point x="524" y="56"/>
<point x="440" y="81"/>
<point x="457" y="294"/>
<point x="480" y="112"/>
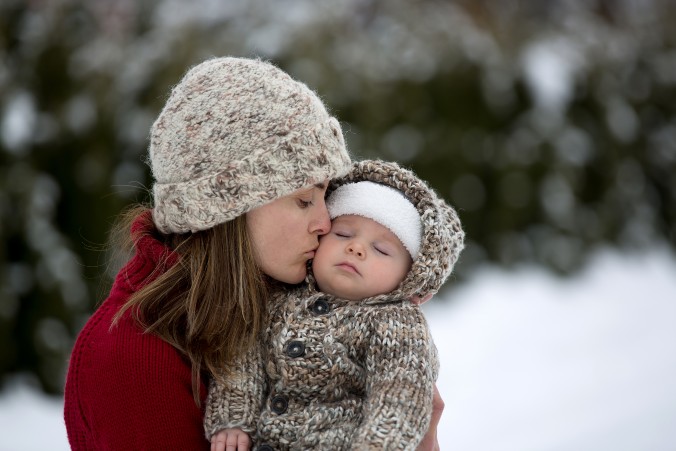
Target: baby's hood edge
<point x="442" y="235"/>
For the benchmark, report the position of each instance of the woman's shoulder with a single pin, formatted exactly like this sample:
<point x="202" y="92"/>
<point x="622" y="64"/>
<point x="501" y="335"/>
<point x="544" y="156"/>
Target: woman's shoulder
<point x="123" y="347"/>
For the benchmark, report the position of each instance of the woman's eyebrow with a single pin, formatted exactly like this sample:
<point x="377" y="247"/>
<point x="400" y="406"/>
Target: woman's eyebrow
<point x="310" y="189"/>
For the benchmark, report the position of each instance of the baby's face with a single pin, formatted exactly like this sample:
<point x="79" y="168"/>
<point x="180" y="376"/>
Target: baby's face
<point x="359" y="258"/>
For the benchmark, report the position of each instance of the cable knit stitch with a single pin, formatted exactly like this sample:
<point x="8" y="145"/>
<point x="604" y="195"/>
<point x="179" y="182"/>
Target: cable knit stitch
<point x="347" y="375"/>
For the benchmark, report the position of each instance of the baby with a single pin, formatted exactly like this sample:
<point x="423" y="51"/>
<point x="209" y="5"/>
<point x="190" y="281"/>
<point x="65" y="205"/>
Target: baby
<point x="375" y="235"/>
<point x="349" y="362"/>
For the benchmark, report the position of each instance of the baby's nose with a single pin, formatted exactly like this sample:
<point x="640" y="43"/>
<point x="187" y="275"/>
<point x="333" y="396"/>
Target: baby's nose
<point x="355" y="249"/>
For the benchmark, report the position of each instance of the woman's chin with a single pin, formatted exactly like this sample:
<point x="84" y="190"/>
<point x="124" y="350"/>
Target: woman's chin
<point x="295" y="278"/>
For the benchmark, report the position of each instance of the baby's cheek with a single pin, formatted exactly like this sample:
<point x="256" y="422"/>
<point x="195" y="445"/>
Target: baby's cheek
<point x="388" y="279"/>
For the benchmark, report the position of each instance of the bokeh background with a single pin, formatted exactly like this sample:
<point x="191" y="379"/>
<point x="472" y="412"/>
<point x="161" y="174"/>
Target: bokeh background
<point x="550" y="125"/>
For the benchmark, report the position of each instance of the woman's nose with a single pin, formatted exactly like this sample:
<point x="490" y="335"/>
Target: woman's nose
<point x="321" y="224"/>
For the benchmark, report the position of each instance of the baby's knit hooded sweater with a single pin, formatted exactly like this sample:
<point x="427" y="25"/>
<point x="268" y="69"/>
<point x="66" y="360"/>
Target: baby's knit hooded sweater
<point x="336" y="374"/>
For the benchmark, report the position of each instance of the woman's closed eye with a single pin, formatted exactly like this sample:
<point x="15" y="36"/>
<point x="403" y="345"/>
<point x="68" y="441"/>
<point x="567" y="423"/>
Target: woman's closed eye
<point x="304" y="203"/>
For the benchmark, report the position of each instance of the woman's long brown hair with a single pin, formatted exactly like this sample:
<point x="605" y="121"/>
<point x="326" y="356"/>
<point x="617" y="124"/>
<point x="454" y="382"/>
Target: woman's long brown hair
<point x="210" y="305"/>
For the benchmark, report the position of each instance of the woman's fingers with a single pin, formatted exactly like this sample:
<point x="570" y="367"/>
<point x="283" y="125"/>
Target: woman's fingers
<point x="429" y="441"/>
<point x="420" y="301"/>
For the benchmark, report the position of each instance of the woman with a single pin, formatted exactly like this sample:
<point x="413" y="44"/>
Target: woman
<point x="241" y="155"/>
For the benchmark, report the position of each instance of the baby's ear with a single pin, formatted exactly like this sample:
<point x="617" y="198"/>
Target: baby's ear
<point x="417" y="300"/>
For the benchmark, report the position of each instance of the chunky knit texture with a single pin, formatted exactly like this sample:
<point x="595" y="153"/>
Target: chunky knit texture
<point x="236" y="134"/>
<point x="125" y="389"/>
<point x="347" y="375"/>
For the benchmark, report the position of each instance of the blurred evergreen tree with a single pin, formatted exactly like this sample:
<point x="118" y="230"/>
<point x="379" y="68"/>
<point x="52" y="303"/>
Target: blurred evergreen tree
<point x="549" y="125"/>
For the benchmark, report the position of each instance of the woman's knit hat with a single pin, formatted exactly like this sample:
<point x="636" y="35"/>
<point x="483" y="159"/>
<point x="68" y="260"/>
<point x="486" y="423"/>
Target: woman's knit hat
<point x="442" y="237"/>
<point x="236" y="134"/>
<point x="382" y="204"/>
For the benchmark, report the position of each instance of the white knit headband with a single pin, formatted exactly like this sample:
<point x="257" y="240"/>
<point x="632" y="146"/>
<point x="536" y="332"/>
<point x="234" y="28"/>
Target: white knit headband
<point x="383" y="204"/>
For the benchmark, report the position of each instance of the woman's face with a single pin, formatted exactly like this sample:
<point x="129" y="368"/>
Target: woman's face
<point x="285" y="233"/>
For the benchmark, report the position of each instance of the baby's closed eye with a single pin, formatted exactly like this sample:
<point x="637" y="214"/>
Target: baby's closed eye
<point x="342" y="233"/>
<point x="381" y="250"/>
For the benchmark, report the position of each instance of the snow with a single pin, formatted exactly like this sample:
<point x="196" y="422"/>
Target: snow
<point x="30" y="420"/>
<point x="550" y="67"/>
<point x="530" y="362"/>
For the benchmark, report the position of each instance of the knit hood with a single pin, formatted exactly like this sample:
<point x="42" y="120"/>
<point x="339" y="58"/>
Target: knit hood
<point x="442" y="235"/>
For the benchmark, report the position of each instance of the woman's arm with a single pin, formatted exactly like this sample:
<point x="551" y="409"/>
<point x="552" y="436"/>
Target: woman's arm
<point x="130" y="390"/>
<point x="429" y="441"/>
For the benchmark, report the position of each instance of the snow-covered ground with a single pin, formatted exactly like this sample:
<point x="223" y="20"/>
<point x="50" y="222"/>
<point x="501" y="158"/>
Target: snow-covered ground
<point x="530" y="362"/>
<point x="534" y="363"/>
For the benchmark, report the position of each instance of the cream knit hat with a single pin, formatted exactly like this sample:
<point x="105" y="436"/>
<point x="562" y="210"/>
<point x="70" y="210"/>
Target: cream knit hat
<point x="236" y="134"/>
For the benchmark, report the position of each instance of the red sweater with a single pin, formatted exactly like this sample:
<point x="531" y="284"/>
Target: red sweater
<point x="127" y="390"/>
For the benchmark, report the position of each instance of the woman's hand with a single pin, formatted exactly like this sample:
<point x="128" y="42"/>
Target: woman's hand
<point x="230" y="440"/>
<point x="429" y="441"/>
<point x="417" y="300"/>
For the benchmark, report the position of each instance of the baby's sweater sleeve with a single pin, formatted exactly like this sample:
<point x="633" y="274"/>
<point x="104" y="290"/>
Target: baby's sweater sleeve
<point x="236" y="403"/>
<point x="402" y="366"/>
